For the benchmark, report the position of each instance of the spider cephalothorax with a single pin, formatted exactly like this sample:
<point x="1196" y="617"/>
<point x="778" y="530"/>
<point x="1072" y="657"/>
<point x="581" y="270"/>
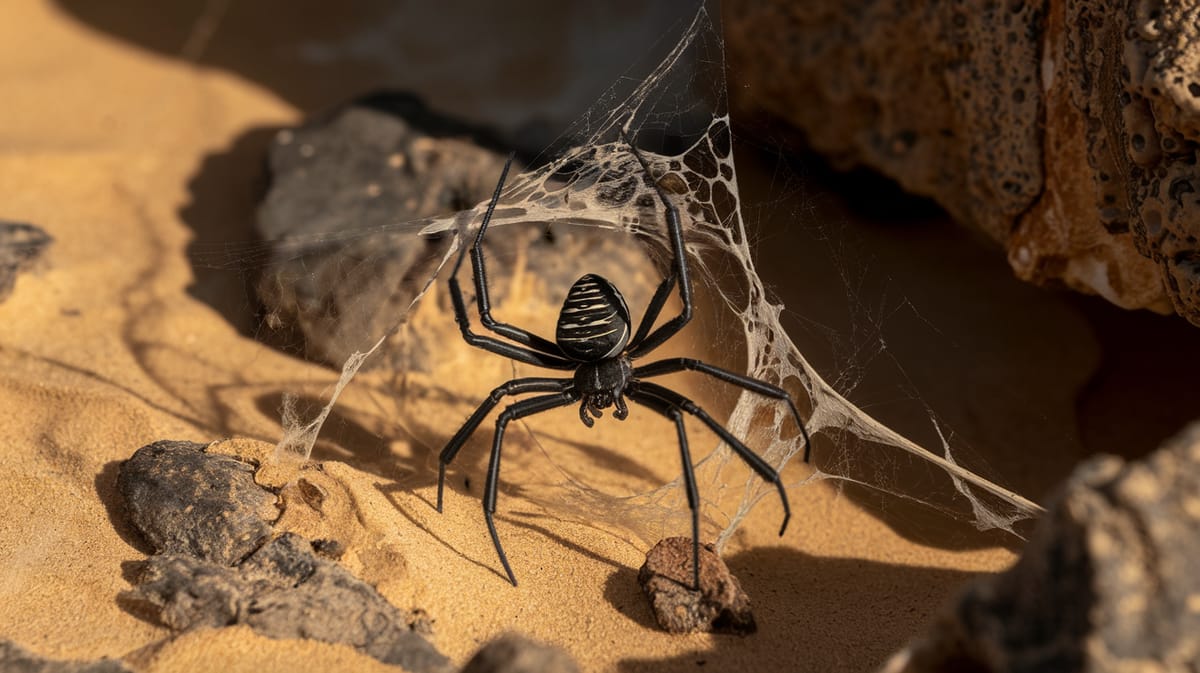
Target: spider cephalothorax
<point x="593" y="340"/>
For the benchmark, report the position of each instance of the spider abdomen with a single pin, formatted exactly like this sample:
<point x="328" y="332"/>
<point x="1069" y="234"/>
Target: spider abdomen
<point x="594" y="321"/>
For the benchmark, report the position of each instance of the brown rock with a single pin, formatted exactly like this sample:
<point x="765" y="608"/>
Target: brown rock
<point x="1068" y="131"/>
<point x="719" y="606"/>
<point x="184" y="500"/>
<point x="1108" y="581"/>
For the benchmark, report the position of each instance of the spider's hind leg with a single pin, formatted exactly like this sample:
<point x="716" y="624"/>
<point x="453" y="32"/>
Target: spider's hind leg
<point x="645" y="389"/>
<point x="514" y="411"/>
<point x="689" y="474"/>
<point x="672" y="365"/>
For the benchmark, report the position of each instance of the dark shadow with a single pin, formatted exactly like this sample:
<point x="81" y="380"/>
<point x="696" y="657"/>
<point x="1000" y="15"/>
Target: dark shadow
<point x="228" y="253"/>
<point x="114" y="507"/>
<point x="130" y="602"/>
<point x="538" y="63"/>
<point x="813" y="613"/>
<point x="271" y="42"/>
<point x="388" y="492"/>
<point x="1144" y="390"/>
<point x="623" y="592"/>
<point x="225" y="251"/>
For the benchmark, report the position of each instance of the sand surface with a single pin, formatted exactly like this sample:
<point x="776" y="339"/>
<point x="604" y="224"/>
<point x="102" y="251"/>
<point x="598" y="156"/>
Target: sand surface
<point x="127" y="155"/>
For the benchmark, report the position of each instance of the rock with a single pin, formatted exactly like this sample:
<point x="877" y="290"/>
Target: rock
<point x="1068" y="131"/>
<point x="1108" y="581"/>
<point x="342" y="273"/>
<point x="285" y="590"/>
<point x="20" y="247"/>
<point x="376" y="163"/>
<point x="14" y="659"/>
<point x="186" y="501"/>
<point x="719" y="606"/>
<point x="513" y="653"/>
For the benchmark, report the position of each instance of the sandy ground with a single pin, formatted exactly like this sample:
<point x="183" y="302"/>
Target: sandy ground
<point x="127" y="155"/>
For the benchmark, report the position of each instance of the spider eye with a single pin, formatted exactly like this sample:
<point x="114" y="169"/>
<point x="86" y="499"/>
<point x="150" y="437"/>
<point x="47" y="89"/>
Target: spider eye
<point x="594" y="321"/>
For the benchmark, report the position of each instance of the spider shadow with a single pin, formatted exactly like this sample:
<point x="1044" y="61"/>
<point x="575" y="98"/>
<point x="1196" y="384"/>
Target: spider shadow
<point x="389" y="492"/>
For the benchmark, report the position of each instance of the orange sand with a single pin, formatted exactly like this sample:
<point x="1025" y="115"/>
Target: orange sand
<point x="105" y="349"/>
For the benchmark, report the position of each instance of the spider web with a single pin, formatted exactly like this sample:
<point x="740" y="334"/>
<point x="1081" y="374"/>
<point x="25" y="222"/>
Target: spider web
<point x="593" y="180"/>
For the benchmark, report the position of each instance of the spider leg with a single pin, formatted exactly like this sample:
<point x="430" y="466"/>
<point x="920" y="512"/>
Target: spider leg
<point x="514" y="387"/>
<point x="514" y="411"/>
<point x="643" y="389"/>
<point x="479" y="274"/>
<point x="653" y="309"/>
<point x="673" y="365"/>
<point x="689" y="473"/>
<point x="679" y="274"/>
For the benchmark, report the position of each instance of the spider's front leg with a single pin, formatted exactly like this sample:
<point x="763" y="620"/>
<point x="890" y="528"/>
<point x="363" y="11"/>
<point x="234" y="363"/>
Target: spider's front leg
<point x="514" y="387"/>
<point x="536" y="351"/>
<point x="513" y="412"/>
<point x="644" y="340"/>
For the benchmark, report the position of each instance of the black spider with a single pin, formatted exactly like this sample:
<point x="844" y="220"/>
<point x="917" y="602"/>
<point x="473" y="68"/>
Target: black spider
<point x="593" y="339"/>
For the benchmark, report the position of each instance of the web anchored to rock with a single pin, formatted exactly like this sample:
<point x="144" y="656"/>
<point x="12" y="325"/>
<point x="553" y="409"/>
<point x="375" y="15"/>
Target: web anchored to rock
<point x="595" y="181"/>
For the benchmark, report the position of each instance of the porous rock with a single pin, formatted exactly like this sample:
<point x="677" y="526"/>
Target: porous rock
<point x="285" y="590"/>
<point x="186" y="501"/>
<point x="514" y="653"/>
<point x="21" y="245"/>
<point x="15" y="659"/>
<point x="1068" y="130"/>
<point x="343" y="273"/>
<point x="1108" y="581"/>
<point x="667" y="579"/>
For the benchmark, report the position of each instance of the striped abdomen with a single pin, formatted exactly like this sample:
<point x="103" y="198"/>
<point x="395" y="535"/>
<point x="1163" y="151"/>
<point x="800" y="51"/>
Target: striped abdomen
<point x="594" y="321"/>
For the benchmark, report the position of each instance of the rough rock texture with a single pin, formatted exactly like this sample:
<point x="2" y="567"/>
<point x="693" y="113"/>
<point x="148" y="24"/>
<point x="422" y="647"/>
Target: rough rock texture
<point x="343" y="213"/>
<point x="342" y="275"/>
<point x="186" y="501"/>
<point x="20" y="246"/>
<point x="284" y="590"/>
<point x="719" y="606"/>
<point x="204" y="513"/>
<point x="512" y="653"/>
<point x="1108" y="581"/>
<point x="14" y="659"/>
<point x="1067" y="130"/>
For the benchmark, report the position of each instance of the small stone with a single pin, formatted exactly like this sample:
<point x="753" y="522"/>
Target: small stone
<point x="513" y="653"/>
<point x="15" y="659"/>
<point x="185" y="501"/>
<point x="719" y="606"/>
<point x="285" y="590"/>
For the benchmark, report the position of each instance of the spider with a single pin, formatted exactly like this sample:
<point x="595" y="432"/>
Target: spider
<point x="593" y="341"/>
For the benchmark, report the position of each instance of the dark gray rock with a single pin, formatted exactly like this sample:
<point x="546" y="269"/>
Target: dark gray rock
<point x="20" y="247"/>
<point x="15" y="659"/>
<point x="284" y="590"/>
<point x="186" y="501"/>
<point x="1108" y="582"/>
<point x="349" y="194"/>
<point x="719" y="606"/>
<point x="513" y="653"/>
<point x="342" y="272"/>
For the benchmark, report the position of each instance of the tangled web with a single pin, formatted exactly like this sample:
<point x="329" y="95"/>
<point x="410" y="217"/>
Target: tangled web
<point x="594" y="180"/>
